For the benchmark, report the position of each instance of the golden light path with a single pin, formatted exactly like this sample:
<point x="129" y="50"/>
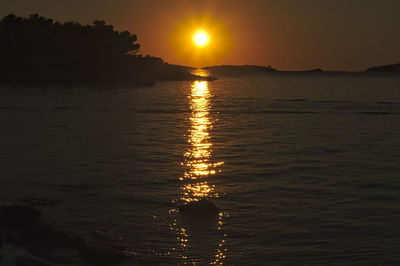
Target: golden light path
<point x="199" y="154"/>
<point x="198" y="170"/>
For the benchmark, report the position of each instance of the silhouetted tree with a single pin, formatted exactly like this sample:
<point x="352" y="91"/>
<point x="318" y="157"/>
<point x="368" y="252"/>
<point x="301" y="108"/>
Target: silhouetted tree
<point x="37" y="48"/>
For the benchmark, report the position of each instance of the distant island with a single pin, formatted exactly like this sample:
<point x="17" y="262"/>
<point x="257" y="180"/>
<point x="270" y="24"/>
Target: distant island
<point x="386" y="68"/>
<point x="235" y="70"/>
<point x="243" y="70"/>
<point x="246" y="70"/>
<point x="39" y="51"/>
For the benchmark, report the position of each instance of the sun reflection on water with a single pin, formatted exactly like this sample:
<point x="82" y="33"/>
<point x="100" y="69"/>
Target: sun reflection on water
<point x="198" y="163"/>
<point x="198" y="168"/>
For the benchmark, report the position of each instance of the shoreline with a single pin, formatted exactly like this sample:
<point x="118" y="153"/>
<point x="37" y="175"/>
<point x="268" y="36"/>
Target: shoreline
<point x="28" y="241"/>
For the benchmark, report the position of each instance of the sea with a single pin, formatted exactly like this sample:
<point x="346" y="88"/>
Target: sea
<point x="305" y="169"/>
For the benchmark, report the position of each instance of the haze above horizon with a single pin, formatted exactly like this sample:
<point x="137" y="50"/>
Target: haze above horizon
<point x="289" y="34"/>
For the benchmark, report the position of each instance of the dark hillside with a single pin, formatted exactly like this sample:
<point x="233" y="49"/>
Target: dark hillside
<point x="40" y="50"/>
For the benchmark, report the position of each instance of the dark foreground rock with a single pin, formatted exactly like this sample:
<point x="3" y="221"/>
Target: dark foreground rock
<point x="20" y="226"/>
<point x="15" y="216"/>
<point x="201" y="208"/>
<point x="27" y="261"/>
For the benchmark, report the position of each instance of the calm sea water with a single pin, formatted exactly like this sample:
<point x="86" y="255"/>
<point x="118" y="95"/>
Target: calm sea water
<point x="305" y="170"/>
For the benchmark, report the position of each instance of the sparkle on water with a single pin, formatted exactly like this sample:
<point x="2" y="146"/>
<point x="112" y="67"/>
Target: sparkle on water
<point x="198" y="167"/>
<point x="198" y="156"/>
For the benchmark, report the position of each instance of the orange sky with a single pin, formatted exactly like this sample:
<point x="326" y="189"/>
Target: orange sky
<point x="287" y="34"/>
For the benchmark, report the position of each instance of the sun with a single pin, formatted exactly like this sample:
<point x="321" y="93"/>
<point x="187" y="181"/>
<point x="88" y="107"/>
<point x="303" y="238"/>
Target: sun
<point x="200" y="41"/>
<point x="201" y="38"/>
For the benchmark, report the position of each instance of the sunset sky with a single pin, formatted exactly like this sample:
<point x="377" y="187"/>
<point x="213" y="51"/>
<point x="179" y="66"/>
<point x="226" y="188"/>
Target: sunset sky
<point x="287" y="34"/>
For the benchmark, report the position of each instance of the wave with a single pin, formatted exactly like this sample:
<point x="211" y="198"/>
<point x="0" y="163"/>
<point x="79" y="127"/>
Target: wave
<point x="377" y="113"/>
<point x="388" y="102"/>
<point x="159" y="111"/>
<point x="292" y="100"/>
<point x="335" y="102"/>
<point x="41" y="109"/>
<point x="65" y="108"/>
<point x="280" y="112"/>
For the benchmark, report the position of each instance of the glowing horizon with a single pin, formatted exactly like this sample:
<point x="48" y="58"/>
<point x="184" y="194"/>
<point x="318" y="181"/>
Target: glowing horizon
<point x="288" y="35"/>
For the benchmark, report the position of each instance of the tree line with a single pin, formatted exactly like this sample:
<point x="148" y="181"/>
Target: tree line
<point x="39" y="49"/>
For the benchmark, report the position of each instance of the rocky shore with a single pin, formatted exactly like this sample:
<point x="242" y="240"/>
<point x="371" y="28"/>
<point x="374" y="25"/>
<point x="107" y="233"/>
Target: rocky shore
<point x="26" y="241"/>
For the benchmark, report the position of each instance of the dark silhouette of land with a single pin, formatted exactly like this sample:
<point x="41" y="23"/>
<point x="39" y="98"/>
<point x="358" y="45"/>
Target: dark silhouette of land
<point x="245" y="70"/>
<point x="38" y="50"/>
<point x="236" y="70"/>
<point x="385" y="68"/>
